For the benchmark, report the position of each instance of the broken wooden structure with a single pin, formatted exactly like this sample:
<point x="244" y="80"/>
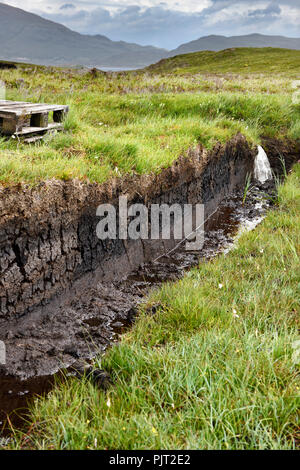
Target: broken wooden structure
<point x="30" y="121"/>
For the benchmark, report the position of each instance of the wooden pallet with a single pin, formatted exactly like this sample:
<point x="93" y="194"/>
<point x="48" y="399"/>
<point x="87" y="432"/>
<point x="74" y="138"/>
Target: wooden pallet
<point x="30" y="120"/>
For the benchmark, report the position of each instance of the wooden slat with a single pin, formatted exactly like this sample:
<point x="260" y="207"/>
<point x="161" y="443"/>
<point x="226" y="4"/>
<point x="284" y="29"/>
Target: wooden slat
<point x="19" y="108"/>
<point x="30" y="110"/>
<point x="32" y="140"/>
<point x="9" y="104"/>
<point x="8" y="114"/>
<point x="32" y="130"/>
<point x="39" y="109"/>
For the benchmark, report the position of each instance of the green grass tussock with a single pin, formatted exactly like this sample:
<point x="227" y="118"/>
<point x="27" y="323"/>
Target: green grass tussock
<point x="235" y="60"/>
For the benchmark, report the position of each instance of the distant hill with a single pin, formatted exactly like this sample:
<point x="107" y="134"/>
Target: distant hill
<point x="219" y="43"/>
<point x="29" y="38"/>
<point x="234" y="60"/>
<point x="25" y="37"/>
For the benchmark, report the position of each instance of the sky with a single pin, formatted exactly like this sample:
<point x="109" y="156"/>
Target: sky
<point x="168" y="23"/>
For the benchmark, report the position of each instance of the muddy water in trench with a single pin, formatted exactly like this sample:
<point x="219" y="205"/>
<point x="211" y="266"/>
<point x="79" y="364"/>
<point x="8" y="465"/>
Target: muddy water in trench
<point x="109" y="309"/>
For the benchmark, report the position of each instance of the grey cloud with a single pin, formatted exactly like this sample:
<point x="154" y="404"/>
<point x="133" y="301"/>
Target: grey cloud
<point x="218" y="5"/>
<point x="68" y="6"/>
<point x="271" y="10"/>
<point x="165" y="27"/>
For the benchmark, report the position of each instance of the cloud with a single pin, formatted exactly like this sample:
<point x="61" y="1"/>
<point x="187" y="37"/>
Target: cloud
<point x="169" y="23"/>
<point x="68" y="6"/>
<point x="271" y="10"/>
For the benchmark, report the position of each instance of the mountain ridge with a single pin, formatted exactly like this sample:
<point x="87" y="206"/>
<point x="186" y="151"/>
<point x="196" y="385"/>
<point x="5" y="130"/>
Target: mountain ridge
<point x="30" y="38"/>
<point x="218" y="43"/>
<point x="27" y="36"/>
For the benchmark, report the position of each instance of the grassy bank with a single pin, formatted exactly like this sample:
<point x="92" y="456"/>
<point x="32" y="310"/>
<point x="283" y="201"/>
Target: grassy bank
<point x="214" y="368"/>
<point x="142" y="121"/>
<point x="236" y="60"/>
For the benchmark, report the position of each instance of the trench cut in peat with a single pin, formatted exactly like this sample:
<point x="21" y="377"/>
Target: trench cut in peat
<point x="30" y="120"/>
<point x="55" y="272"/>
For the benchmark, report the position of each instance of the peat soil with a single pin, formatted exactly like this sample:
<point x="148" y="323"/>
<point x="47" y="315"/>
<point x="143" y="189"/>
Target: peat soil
<point x="68" y="338"/>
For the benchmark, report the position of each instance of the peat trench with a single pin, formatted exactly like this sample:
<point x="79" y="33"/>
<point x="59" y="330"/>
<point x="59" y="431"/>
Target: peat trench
<point x="66" y="337"/>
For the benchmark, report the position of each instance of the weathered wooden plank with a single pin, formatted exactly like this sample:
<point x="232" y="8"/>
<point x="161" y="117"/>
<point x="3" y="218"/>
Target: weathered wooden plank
<point x="30" y="108"/>
<point x="19" y="111"/>
<point x="7" y="114"/>
<point x="32" y="130"/>
<point x="19" y="107"/>
<point x="9" y="104"/>
<point x="32" y="140"/>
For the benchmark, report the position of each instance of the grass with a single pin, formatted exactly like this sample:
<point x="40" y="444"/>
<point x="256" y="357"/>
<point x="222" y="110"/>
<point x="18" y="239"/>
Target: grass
<point x="236" y="60"/>
<point x="214" y="368"/>
<point x="142" y="121"/>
